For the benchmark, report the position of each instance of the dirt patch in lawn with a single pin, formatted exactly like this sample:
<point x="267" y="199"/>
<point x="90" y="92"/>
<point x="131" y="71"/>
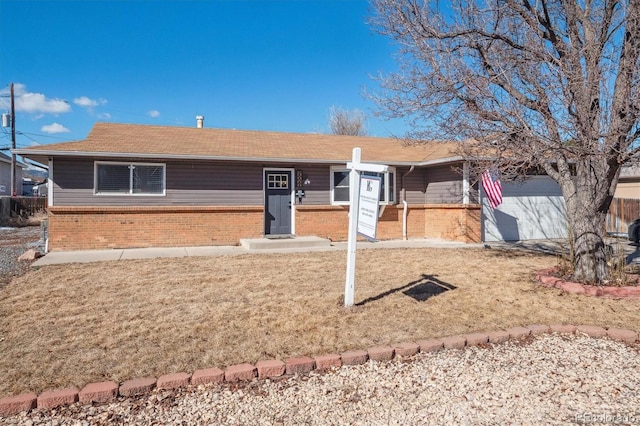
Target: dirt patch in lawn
<point x="73" y="324"/>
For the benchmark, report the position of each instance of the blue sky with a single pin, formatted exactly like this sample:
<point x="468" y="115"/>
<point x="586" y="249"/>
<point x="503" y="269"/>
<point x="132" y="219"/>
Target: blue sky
<point x="259" y="65"/>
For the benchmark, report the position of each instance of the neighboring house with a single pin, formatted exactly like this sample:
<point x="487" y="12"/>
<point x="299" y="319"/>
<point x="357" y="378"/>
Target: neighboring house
<point x="143" y="186"/>
<point x="40" y="190"/>
<point x="27" y="187"/>
<point x="629" y="182"/>
<point x="5" y="176"/>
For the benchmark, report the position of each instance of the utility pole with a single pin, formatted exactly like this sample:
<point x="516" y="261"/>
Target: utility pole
<point x="13" y="145"/>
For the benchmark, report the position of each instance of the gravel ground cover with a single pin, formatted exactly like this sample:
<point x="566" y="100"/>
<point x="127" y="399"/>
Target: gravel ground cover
<point x="13" y="243"/>
<point x="549" y="379"/>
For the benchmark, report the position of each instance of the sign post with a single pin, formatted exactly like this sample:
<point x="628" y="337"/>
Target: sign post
<point x="355" y="171"/>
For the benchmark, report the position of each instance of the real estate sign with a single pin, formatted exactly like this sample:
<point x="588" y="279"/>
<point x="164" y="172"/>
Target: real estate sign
<point x="368" y="206"/>
<point x="369" y="214"/>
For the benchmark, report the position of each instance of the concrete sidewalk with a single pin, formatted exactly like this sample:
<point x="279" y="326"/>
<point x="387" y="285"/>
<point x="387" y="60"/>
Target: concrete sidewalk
<point x="85" y="256"/>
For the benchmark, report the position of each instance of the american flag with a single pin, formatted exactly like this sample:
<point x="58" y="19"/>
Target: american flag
<point x="492" y="187"/>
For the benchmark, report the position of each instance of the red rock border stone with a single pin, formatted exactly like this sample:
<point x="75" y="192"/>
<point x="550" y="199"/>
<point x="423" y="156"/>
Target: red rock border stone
<point x="136" y="386"/>
<point x="270" y="368"/>
<point x="55" y="398"/>
<point x="300" y="365"/>
<point x="98" y="392"/>
<point x="547" y="278"/>
<point x="107" y="391"/>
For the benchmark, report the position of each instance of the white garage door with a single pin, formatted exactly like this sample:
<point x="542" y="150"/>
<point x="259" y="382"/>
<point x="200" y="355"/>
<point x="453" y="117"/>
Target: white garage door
<point x="532" y="210"/>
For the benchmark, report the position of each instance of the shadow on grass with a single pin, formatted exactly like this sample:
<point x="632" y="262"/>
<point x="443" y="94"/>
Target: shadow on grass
<point x="421" y="289"/>
<point x="519" y="249"/>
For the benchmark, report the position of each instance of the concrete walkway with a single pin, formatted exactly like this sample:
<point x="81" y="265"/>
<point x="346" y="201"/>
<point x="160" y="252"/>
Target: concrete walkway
<point x="274" y="246"/>
<point x="84" y="256"/>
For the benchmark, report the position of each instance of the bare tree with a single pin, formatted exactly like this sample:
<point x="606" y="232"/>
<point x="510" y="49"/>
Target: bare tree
<point x="344" y="122"/>
<point x="546" y="84"/>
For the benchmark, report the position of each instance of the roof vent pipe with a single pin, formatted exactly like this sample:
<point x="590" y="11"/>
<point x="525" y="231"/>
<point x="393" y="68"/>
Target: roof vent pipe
<point x="199" y="121"/>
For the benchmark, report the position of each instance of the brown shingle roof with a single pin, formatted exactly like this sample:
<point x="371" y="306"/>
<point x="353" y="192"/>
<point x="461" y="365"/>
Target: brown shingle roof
<point x="130" y="140"/>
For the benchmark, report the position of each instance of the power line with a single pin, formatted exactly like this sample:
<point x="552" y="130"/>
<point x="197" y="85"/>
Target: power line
<point x="28" y="137"/>
<point x="41" y="135"/>
<point x="5" y="134"/>
<point x="21" y="145"/>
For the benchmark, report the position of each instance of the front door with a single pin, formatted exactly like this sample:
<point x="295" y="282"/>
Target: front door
<point x="277" y="208"/>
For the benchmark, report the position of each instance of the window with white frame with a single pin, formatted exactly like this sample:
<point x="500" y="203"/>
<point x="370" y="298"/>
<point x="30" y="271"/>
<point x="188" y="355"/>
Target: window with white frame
<point x="340" y="185"/>
<point x="113" y="178"/>
<point x="278" y="181"/>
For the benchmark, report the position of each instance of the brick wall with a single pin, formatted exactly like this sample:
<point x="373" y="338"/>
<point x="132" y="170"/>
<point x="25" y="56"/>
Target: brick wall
<point x="86" y="228"/>
<point x="323" y="221"/>
<point x="333" y="222"/>
<point x="453" y="222"/>
<point x="83" y="228"/>
<point x="447" y="221"/>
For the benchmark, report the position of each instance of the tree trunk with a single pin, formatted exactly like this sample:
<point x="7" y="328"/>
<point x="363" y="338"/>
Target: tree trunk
<point x="590" y="252"/>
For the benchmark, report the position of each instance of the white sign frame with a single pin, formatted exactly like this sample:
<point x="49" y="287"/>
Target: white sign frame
<point x="355" y="170"/>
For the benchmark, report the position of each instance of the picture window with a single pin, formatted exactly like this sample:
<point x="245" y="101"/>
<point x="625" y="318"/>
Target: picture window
<point x="129" y="178"/>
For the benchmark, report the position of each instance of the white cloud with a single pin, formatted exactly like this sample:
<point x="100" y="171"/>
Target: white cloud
<point x="26" y="101"/>
<point x="104" y="116"/>
<point x="89" y="103"/>
<point x="84" y="101"/>
<point x="55" y="128"/>
<point x="37" y="102"/>
<point x="153" y="113"/>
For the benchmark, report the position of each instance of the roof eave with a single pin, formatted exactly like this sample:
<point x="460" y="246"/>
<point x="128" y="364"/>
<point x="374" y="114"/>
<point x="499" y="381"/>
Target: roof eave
<point x="446" y="160"/>
<point x="47" y="153"/>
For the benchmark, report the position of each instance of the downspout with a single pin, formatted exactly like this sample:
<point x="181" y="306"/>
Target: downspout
<point x="49" y="202"/>
<point x="405" y="210"/>
<point x="466" y="187"/>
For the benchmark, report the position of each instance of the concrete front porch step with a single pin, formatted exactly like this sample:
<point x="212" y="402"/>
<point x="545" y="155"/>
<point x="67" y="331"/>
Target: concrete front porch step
<point x="284" y="243"/>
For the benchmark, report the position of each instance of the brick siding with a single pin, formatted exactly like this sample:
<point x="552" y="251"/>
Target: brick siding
<point x="454" y="222"/>
<point x="87" y="228"/>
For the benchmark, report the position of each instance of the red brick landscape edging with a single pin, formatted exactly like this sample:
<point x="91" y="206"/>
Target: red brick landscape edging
<point x="547" y="278"/>
<point x="109" y="390"/>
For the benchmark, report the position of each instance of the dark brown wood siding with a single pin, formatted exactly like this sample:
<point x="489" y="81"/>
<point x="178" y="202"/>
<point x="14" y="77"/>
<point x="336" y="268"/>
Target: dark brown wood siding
<point x="443" y="185"/>
<point x="187" y="183"/>
<point x="235" y="183"/>
<point x="317" y="192"/>
<point x="214" y="184"/>
<point x="72" y="182"/>
<point x="415" y="185"/>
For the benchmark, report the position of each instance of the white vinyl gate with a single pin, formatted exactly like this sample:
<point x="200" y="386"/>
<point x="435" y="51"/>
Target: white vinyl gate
<point x="532" y="210"/>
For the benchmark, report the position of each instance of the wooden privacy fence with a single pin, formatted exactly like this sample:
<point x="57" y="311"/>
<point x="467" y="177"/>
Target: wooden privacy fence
<point x="622" y="212"/>
<point x="21" y="206"/>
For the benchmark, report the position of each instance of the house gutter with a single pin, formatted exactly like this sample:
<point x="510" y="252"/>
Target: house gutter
<point x="51" y="153"/>
<point x="405" y="209"/>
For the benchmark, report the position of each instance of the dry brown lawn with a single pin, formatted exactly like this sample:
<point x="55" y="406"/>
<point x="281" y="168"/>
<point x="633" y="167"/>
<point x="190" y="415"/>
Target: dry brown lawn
<point x="73" y="324"/>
